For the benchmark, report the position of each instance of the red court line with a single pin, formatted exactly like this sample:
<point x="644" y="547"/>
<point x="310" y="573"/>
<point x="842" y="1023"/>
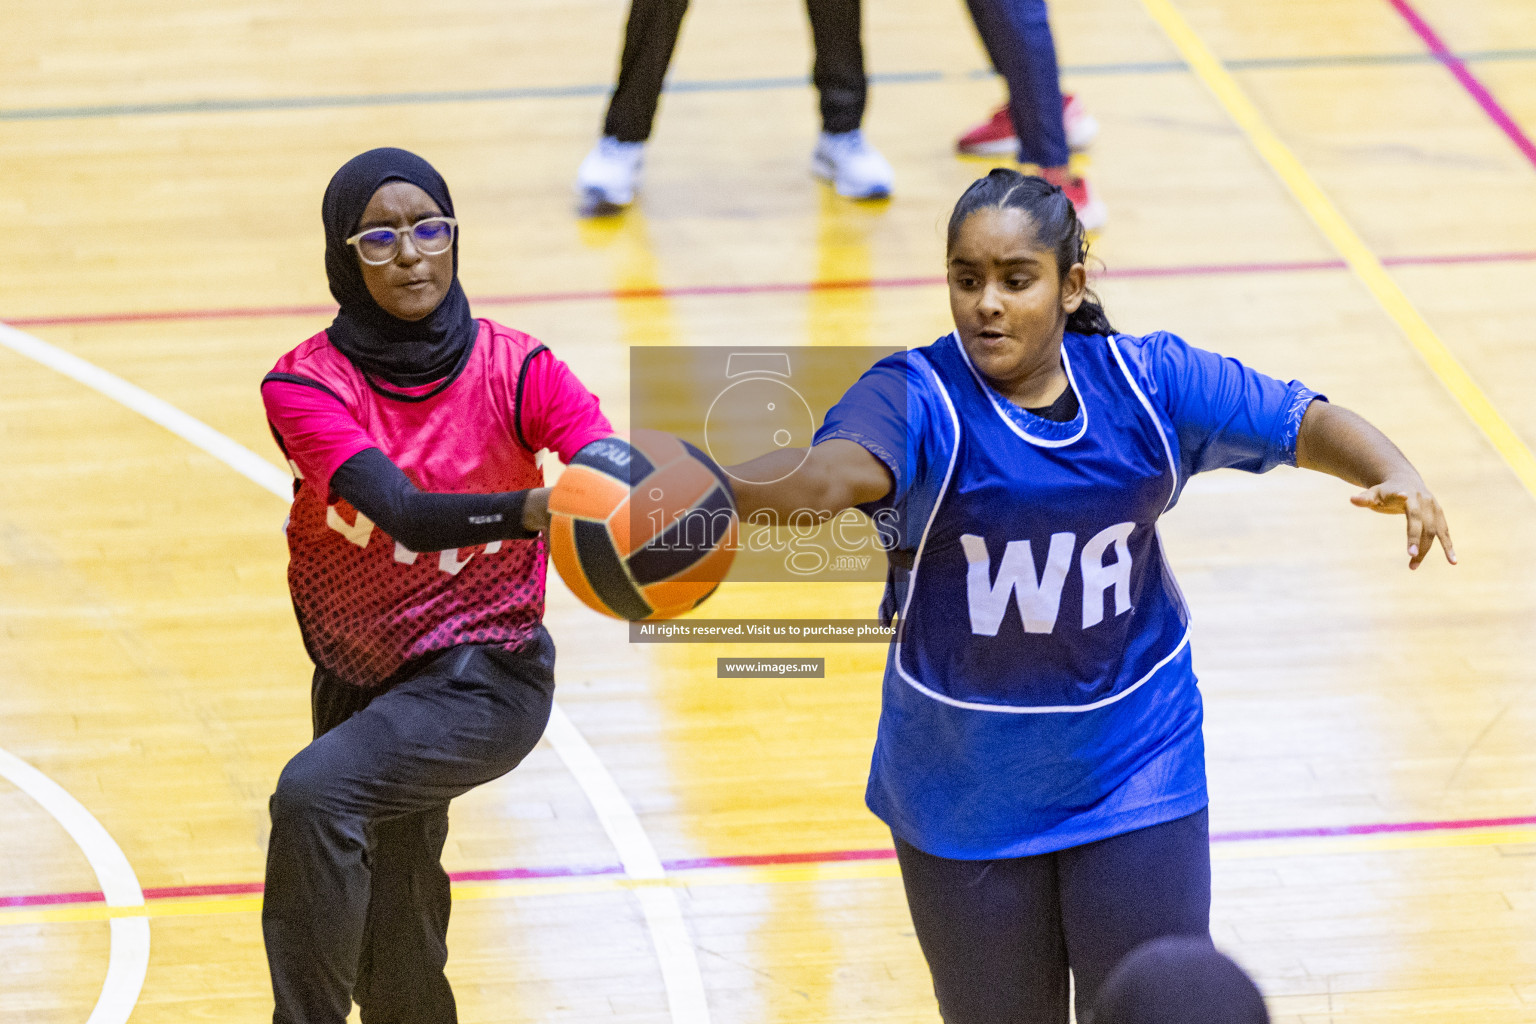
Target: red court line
<point x="1460" y="824"/>
<point x="156" y="316"/>
<point x="764" y="859"/>
<point x="49" y="899"/>
<point x="1468" y="80"/>
<point x="165" y="893"/>
<point x="772" y="859"/>
<point x="501" y="874"/>
<point x="769" y="288"/>
<point x="256" y="888"/>
<point x="1451" y="260"/>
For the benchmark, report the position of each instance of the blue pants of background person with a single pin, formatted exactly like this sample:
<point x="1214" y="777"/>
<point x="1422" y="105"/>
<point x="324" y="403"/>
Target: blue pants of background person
<point x="1017" y="35"/>
<point x="1000" y="935"/>
<point x="356" y="897"/>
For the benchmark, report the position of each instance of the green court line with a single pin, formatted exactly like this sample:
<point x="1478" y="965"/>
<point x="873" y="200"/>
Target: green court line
<point x="592" y="90"/>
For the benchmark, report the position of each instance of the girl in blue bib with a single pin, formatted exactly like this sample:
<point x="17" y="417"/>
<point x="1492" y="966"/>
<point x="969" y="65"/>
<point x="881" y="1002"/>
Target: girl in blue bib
<point x="1039" y="758"/>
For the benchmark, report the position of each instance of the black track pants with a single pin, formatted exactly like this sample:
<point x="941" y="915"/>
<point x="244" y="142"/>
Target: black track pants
<point x="1000" y="935"/>
<point x="356" y="897"/>
<point x="651" y="34"/>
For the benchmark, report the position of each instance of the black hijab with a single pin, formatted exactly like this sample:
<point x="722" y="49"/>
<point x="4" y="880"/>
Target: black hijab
<point x="403" y="352"/>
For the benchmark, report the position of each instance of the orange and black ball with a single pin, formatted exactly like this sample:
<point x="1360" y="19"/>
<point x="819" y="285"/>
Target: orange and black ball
<point x="642" y="526"/>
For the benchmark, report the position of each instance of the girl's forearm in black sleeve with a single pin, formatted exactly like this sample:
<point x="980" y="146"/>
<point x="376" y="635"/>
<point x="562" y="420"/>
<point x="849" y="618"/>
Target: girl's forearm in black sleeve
<point x="424" y="521"/>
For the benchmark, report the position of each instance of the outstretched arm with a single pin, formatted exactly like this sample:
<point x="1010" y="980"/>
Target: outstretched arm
<point x="428" y="521"/>
<point x="1342" y="444"/>
<point x="835" y="475"/>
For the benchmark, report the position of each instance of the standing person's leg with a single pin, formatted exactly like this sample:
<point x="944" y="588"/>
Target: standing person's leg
<point x="996" y="137"/>
<point x="838" y="70"/>
<point x="649" y="38"/>
<point x="991" y="933"/>
<point x="1121" y="892"/>
<point x="1017" y="36"/>
<point x="465" y="718"/>
<point x="610" y="173"/>
<point x="843" y="155"/>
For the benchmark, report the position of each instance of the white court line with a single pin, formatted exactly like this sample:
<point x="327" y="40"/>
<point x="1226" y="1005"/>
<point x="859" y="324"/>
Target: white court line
<point x="663" y="914"/>
<point x="128" y="955"/>
<point x="238" y="457"/>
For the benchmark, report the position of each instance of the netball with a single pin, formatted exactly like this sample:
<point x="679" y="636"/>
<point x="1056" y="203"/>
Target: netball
<point x="642" y="526"/>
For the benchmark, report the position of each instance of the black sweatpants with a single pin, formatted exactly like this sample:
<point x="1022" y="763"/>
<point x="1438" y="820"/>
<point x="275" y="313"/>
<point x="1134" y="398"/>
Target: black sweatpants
<point x="651" y="33"/>
<point x="356" y="897"/>
<point x="1001" y="935"/>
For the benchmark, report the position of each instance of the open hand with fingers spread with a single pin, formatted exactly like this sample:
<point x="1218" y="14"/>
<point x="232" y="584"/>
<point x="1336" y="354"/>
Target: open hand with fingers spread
<point x="1339" y="442"/>
<point x="1406" y="495"/>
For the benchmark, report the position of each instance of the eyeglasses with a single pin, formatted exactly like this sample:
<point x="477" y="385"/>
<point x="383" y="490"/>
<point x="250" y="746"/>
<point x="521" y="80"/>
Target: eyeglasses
<point x="378" y="246"/>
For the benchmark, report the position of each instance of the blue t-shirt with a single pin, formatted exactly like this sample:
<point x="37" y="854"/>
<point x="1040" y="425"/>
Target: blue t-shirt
<point x="1040" y="693"/>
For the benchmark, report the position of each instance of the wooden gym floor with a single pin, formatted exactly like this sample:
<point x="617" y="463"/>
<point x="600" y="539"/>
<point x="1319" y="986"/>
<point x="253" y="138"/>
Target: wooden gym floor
<point x="1325" y="198"/>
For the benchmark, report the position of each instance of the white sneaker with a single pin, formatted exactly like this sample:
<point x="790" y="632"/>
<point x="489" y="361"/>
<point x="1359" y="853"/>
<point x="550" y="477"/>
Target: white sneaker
<point x="607" y="178"/>
<point x="1082" y="127"/>
<point x="854" y="167"/>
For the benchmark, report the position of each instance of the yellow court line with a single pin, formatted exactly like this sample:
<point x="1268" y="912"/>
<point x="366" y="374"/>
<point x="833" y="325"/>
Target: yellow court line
<point x="779" y="874"/>
<point x="1214" y="75"/>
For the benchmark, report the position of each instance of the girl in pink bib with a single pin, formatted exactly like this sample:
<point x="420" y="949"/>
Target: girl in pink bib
<point x="417" y="574"/>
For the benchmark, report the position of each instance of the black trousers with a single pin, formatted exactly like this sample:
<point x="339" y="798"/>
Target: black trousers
<point x="1001" y="935"/>
<point x="651" y="33"/>
<point x="357" y="900"/>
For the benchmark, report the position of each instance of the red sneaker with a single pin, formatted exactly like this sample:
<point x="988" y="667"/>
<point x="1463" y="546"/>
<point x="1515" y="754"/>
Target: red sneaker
<point x="996" y="137"/>
<point x="1091" y="211"/>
